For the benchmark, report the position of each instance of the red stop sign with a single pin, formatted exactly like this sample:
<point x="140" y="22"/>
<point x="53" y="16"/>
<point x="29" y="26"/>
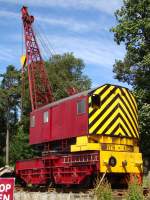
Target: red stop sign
<point x="7" y="188"/>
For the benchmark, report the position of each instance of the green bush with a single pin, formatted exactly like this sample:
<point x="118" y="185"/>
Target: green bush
<point x="135" y="191"/>
<point x="103" y="190"/>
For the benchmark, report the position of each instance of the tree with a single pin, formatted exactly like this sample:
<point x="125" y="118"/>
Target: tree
<point x="133" y="29"/>
<point x="9" y="105"/>
<point x="19" y="146"/>
<point x="11" y="127"/>
<point x="66" y="71"/>
<point x="144" y="119"/>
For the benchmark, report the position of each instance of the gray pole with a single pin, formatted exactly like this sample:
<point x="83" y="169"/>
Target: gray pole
<point x="7" y="145"/>
<point x="7" y="136"/>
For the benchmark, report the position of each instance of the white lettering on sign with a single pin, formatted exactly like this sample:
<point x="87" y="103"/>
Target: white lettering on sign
<point x="5" y="188"/>
<point x="4" y="197"/>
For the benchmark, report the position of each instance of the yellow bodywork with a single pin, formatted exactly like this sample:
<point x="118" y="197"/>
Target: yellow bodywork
<point x="122" y="149"/>
<point x="133" y="160"/>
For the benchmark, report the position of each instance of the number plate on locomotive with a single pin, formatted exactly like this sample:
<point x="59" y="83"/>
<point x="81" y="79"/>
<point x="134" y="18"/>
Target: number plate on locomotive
<point x="113" y="147"/>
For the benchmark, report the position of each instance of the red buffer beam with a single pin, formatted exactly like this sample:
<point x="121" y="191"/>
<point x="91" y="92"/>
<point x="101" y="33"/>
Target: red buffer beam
<point x="40" y="89"/>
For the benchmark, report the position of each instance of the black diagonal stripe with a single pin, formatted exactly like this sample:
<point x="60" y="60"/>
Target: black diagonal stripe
<point x="127" y="126"/>
<point x="125" y="131"/>
<point x="93" y="111"/>
<point x="104" y="110"/>
<point x="132" y="100"/>
<point x="129" y="111"/>
<point x="129" y="103"/>
<point x="106" y="118"/>
<point x="116" y="128"/>
<point x="120" y="125"/>
<point x="109" y="125"/>
<point x="128" y="119"/>
<point x="109" y="94"/>
<point x="103" y="91"/>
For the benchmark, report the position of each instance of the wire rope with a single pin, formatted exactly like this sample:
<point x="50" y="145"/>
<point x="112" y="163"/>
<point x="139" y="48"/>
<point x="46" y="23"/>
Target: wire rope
<point x="40" y="40"/>
<point x="45" y="40"/>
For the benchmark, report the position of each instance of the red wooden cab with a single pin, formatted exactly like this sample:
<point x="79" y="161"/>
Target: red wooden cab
<point x="62" y="119"/>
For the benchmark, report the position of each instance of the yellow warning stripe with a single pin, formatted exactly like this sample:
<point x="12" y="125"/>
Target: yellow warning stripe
<point x="130" y="100"/>
<point x="129" y="116"/>
<point x="102" y="117"/>
<point x="118" y="112"/>
<point x="101" y="108"/>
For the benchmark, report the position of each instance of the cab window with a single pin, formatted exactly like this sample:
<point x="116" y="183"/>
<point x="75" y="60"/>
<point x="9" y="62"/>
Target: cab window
<point x="81" y="106"/>
<point x="96" y="103"/>
<point x="45" y="117"/>
<point x="32" y="121"/>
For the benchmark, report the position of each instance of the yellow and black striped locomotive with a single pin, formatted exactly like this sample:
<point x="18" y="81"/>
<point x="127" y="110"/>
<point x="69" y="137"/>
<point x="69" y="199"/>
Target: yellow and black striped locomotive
<point x="113" y="130"/>
<point x="87" y="134"/>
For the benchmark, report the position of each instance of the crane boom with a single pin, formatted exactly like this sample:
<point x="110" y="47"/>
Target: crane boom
<point x="40" y="88"/>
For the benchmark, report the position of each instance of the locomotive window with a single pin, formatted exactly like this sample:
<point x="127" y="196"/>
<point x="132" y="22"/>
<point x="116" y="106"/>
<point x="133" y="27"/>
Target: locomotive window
<point x="96" y="103"/>
<point x="81" y="107"/>
<point x="45" y="117"/>
<point x="32" y="121"/>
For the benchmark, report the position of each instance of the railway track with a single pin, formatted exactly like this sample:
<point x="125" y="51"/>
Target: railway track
<point x="119" y="194"/>
<point x="77" y="192"/>
<point x="52" y="189"/>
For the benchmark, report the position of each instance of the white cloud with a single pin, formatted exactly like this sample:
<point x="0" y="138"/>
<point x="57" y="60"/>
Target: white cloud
<point x="102" y="52"/>
<point x="99" y="51"/>
<point x="8" y="14"/>
<point x="68" y="23"/>
<point x="7" y="57"/>
<point x="74" y="25"/>
<point x="102" y="5"/>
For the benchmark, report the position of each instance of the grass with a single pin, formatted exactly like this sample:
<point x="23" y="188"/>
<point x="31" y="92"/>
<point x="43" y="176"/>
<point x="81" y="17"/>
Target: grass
<point x="135" y="191"/>
<point x="103" y="190"/>
<point x="146" y="182"/>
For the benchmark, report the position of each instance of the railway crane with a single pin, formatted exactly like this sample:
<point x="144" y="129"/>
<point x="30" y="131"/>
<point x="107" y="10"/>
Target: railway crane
<point x="40" y="88"/>
<point x="91" y="133"/>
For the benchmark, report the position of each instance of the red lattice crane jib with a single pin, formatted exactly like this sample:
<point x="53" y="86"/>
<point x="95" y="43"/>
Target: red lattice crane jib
<point x="40" y="89"/>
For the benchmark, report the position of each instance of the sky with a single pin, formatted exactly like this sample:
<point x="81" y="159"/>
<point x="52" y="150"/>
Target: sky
<point x="78" y="26"/>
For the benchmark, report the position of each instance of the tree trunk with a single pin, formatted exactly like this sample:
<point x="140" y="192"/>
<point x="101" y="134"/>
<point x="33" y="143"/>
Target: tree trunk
<point x="7" y="146"/>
